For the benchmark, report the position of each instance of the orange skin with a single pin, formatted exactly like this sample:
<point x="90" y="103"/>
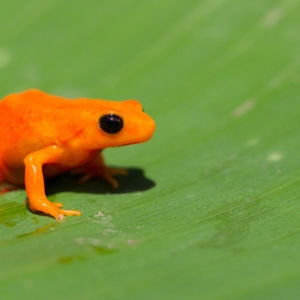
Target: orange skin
<point x="44" y="135"/>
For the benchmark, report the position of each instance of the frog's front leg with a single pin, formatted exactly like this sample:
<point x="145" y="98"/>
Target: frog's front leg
<point x="97" y="168"/>
<point x="34" y="182"/>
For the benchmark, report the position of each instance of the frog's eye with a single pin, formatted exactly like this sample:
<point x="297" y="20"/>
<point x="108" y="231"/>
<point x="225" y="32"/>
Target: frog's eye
<point x="111" y="123"/>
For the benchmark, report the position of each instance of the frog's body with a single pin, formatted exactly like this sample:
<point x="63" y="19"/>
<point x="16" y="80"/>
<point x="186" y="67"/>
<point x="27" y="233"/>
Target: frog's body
<point x="47" y="135"/>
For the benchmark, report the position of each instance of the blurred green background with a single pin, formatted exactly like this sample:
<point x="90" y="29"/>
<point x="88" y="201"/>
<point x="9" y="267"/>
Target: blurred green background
<point x="211" y="206"/>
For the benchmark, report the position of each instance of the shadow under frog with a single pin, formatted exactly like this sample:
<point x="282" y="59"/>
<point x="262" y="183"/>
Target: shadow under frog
<point x="134" y="181"/>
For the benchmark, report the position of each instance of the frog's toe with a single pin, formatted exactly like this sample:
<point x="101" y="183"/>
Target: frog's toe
<point x="108" y="176"/>
<point x="53" y="209"/>
<point x="118" y="171"/>
<point x="112" y="181"/>
<point x="59" y="214"/>
<point x="85" y="178"/>
<point x="70" y="212"/>
<point x="60" y="218"/>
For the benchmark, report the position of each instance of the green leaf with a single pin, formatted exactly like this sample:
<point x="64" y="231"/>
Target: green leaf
<point x="210" y="208"/>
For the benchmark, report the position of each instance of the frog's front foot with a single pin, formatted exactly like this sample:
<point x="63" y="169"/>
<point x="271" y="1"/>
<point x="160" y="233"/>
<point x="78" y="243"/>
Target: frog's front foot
<point x="52" y="208"/>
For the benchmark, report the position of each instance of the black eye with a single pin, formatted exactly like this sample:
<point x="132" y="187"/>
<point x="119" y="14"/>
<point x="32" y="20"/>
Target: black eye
<point x="111" y="123"/>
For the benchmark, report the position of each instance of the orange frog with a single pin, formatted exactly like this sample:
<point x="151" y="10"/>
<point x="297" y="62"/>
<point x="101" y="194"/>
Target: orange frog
<point x="44" y="135"/>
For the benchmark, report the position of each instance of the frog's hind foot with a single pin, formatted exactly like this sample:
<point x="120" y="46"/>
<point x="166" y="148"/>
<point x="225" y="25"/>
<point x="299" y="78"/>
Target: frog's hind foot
<point x="6" y="187"/>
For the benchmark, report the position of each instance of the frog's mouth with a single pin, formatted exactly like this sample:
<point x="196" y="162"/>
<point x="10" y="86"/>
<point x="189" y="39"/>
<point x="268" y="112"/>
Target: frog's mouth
<point x="128" y="144"/>
<point x="124" y="145"/>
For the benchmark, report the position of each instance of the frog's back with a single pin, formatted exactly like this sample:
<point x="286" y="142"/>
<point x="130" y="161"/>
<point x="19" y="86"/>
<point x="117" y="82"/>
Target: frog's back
<point x="20" y="111"/>
<point x="23" y="117"/>
<point x="30" y="100"/>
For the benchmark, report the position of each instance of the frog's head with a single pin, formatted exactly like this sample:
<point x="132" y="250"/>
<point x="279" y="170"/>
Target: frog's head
<point x="119" y="124"/>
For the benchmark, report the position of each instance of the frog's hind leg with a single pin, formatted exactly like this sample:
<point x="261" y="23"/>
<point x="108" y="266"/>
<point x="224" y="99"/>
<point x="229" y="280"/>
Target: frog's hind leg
<point x="6" y="187"/>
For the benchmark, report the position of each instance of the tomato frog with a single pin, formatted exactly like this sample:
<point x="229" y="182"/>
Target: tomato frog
<point x="43" y="136"/>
